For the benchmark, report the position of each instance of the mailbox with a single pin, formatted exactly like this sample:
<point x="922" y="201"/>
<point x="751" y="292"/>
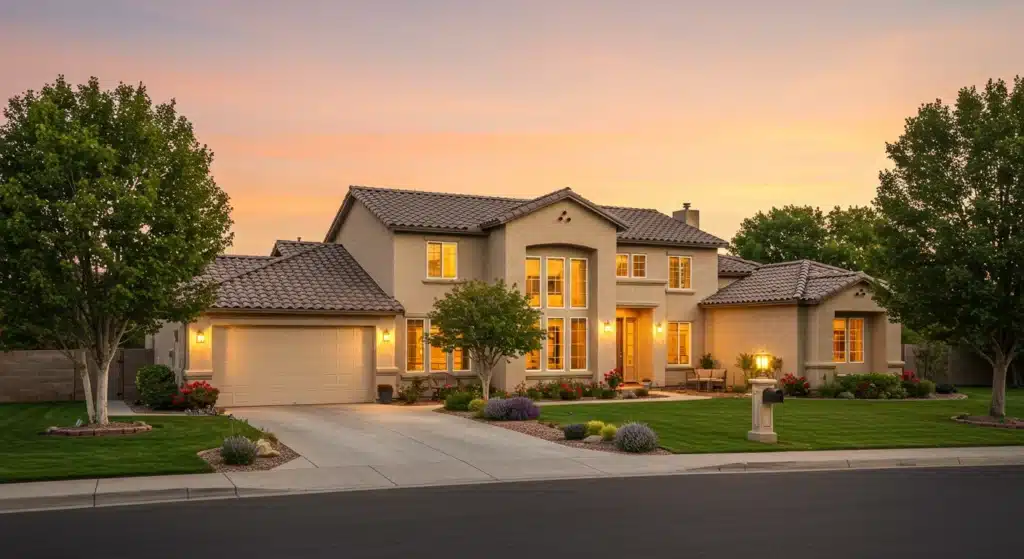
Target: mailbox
<point x="772" y="396"/>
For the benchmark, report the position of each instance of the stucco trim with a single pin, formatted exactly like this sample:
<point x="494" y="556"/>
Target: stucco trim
<point x="555" y="376"/>
<point x="444" y="281"/>
<point x="636" y="304"/>
<point x="677" y="291"/>
<point x="640" y="281"/>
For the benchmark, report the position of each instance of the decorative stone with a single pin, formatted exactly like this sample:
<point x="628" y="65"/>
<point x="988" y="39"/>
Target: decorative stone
<point x="265" y="450"/>
<point x="592" y="439"/>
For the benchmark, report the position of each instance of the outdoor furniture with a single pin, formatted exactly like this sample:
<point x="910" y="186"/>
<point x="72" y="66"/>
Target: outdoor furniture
<point x="698" y="376"/>
<point x="717" y="379"/>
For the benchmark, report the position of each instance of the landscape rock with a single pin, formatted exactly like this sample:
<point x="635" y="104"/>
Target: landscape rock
<point x="592" y="439"/>
<point x="265" y="450"/>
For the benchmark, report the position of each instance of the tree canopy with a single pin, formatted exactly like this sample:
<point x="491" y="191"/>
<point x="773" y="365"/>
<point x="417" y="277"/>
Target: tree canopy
<point x="108" y="212"/>
<point x="952" y="208"/>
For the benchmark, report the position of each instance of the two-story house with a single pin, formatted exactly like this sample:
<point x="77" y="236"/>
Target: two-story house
<point x="618" y="287"/>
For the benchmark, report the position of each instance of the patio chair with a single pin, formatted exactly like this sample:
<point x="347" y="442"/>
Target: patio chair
<point x="697" y="376"/>
<point x="717" y="379"/>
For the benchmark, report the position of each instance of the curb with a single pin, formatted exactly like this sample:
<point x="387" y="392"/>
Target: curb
<point x="866" y="464"/>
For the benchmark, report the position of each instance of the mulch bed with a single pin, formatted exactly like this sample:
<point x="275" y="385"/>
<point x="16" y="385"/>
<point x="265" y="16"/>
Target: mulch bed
<point x="213" y="457"/>
<point x="110" y="429"/>
<point x="989" y="421"/>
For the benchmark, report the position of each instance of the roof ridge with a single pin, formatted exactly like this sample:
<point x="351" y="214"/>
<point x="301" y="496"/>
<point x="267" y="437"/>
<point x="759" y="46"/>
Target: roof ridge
<point x="267" y="264"/>
<point x="636" y="209"/>
<point x="801" y="281"/>
<point x="741" y="259"/>
<point x="242" y="256"/>
<point x="437" y="193"/>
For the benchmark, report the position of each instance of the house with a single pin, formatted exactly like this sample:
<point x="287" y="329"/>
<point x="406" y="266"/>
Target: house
<point x="624" y="288"/>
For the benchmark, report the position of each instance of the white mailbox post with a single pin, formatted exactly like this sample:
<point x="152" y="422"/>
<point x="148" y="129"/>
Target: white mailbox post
<point x="762" y="427"/>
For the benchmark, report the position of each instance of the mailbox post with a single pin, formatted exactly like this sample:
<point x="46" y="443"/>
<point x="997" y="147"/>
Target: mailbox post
<point x="762" y="427"/>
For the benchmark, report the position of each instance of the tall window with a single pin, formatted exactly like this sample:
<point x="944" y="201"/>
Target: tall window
<point x="414" y="345"/>
<point x="679" y="268"/>
<point x="460" y="360"/>
<point x="556" y="282"/>
<point x="639" y="265"/>
<point x="622" y="265"/>
<point x="578" y="279"/>
<point x="533" y="280"/>
<point x="533" y="358"/>
<point x="848" y="340"/>
<point x="556" y="344"/>
<point x="438" y="357"/>
<point x="578" y="344"/>
<point x="442" y="260"/>
<point x="678" y="343"/>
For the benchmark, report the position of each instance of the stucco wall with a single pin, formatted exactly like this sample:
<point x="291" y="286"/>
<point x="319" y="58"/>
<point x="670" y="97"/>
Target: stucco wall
<point x="754" y="329"/>
<point x="371" y="244"/>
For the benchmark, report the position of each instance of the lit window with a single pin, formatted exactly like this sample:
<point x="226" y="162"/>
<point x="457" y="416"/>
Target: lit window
<point x="442" y="260"/>
<point x="578" y="344"/>
<point x="460" y="360"/>
<point x="438" y="357"/>
<point x="839" y="340"/>
<point x="556" y="360"/>
<point x="639" y="265"/>
<point x="556" y="282"/>
<point x="679" y="272"/>
<point x="414" y="345"/>
<point x="578" y="278"/>
<point x="678" y="343"/>
<point x="622" y="265"/>
<point x="533" y="358"/>
<point x="856" y="333"/>
<point x="533" y="280"/>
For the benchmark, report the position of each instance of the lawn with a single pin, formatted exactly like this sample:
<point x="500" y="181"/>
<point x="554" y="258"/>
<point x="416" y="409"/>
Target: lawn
<point x="170" y="448"/>
<point x="721" y="425"/>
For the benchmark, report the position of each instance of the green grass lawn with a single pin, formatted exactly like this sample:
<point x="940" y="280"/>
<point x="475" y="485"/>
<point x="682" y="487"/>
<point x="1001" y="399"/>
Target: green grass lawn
<point x="721" y="425"/>
<point x="170" y="448"/>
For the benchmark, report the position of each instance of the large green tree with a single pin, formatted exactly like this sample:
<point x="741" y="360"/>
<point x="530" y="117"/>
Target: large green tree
<point x="491" y="322"/>
<point x="952" y="233"/>
<point x="108" y="211"/>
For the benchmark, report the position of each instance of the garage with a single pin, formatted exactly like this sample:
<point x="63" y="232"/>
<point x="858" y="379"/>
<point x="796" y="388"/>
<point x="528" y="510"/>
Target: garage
<point x="283" y="365"/>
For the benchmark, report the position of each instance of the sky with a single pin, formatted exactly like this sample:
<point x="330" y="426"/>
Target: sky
<point x="735" y="106"/>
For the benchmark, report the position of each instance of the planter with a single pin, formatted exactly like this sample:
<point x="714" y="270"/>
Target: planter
<point x="385" y="393"/>
<point x="647" y="383"/>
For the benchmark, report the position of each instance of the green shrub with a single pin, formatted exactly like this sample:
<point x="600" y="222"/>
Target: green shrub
<point x="575" y="432"/>
<point x="924" y="389"/>
<point x="458" y="401"/>
<point x="869" y="386"/>
<point x="829" y="389"/>
<point x="157" y="386"/>
<point x="642" y="392"/>
<point x="412" y="392"/>
<point x="238" y="450"/>
<point x="594" y="427"/>
<point x="945" y="389"/>
<point x="533" y="394"/>
<point x="477" y="404"/>
<point x="608" y="432"/>
<point x="897" y="392"/>
<point x="739" y="389"/>
<point x="608" y="394"/>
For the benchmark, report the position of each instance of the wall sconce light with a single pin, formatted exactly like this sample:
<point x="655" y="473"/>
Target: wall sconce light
<point x="386" y="336"/>
<point x="607" y="327"/>
<point x="762" y="361"/>
<point x="200" y="338"/>
<point x="660" y="327"/>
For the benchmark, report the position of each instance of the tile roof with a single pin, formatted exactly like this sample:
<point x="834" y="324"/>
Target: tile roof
<point x="798" y="282"/>
<point x="734" y="266"/>
<point x="300" y="276"/>
<point x="463" y="213"/>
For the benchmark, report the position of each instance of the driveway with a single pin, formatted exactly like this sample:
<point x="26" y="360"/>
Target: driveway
<point x="376" y="435"/>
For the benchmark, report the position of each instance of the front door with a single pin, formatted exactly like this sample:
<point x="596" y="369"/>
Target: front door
<point x="625" y="344"/>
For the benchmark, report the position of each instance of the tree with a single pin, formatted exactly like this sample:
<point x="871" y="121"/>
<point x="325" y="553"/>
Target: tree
<point x="108" y="212"/>
<point x="852" y="239"/>
<point x="952" y="208"/>
<point x="490" y="322"/>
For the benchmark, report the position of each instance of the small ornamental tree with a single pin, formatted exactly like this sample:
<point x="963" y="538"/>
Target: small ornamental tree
<point x="491" y="322"/>
<point x="952" y="229"/>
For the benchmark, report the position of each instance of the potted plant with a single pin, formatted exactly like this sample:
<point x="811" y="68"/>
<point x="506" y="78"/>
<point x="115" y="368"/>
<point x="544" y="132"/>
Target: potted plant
<point x="647" y="383"/>
<point x="384" y="393"/>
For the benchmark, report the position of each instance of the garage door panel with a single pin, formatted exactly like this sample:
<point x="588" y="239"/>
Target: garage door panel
<point x="279" y="366"/>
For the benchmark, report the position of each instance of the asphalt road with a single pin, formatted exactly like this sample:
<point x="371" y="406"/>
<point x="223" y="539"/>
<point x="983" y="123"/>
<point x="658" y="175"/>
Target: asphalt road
<point x="944" y="512"/>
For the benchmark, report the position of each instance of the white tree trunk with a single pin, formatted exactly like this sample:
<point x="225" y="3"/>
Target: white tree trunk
<point x="102" y="369"/>
<point x="79" y="360"/>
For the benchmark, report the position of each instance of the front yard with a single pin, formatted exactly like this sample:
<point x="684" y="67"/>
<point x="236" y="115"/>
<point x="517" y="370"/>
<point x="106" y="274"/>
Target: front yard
<point x="170" y="448"/>
<point x="721" y="424"/>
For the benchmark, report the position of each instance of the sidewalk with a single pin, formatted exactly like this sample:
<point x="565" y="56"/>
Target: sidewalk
<point x="121" y="491"/>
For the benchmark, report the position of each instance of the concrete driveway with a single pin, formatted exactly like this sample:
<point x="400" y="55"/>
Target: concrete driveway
<point x="375" y="435"/>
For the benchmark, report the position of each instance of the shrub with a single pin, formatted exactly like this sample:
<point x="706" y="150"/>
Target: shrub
<point x="568" y="393"/>
<point x="238" y="450"/>
<point x="925" y="388"/>
<point x="945" y="389"/>
<point x="496" y="409"/>
<point x="412" y="392"/>
<point x="869" y="386"/>
<point x="196" y="395"/>
<point x="707" y="361"/>
<point x="549" y="390"/>
<point x="642" y="392"/>
<point x="739" y="389"/>
<point x="477" y="404"/>
<point x="458" y="401"/>
<point x="533" y="394"/>
<point x="520" y="389"/>
<point x="590" y="389"/>
<point x="521" y="409"/>
<point x="895" y="393"/>
<point x="157" y="386"/>
<point x="829" y="389"/>
<point x="608" y="394"/>
<point x="795" y="386"/>
<point x="845" y="395"/>
<point x="594" y="427"/>
<point x="575" y="432"/>
<point x="608" y="432"/>
<point x="636" y="437"/>
<point x="442" y="393"/>
<point x="613" y="378"/>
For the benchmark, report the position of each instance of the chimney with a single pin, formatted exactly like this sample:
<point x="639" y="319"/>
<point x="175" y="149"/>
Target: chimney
<point x="300" y="239"/>
<point x="688" y="216"/>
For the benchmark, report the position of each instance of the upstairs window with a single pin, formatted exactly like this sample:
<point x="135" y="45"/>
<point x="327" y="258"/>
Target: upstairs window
<point x="639" y="265"/>
<point x="442" y="260"/>
<point x="533" y="281"/>
<point x="556" y="282"/>
<point x="578" y="279"/>
<point x="622" y="265"/>
<point x="679" y="269"/>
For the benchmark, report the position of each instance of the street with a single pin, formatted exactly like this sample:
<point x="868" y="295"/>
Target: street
<point x="941" y="512"/>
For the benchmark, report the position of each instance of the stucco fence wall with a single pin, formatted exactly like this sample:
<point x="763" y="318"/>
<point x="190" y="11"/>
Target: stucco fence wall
<point x="965" y="367"/>
<point x="47" y="375"/>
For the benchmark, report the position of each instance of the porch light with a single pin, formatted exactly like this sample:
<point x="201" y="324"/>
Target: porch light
<point x="762" y="361"/>
<point x="200" y="338"/>
<point x="386" y="336"/>
<point x="607" y="327"/>
<point x="659" y="328"/>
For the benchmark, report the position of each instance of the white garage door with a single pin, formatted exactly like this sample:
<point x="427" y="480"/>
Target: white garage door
<point x="266" y="366"/>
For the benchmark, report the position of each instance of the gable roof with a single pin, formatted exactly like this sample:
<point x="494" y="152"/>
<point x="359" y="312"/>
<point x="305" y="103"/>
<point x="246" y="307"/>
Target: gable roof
<point x="734" y="266"/>
<point x="299" y="276"/>
<point x="413" y="210"/>
<point x="797" y="282"/>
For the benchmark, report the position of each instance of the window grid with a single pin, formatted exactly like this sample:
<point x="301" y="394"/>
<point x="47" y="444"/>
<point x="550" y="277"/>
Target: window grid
<point x="533" y="358"/>
<point x="679" y="272"/>
<point x="678" y="343"/>
<point x="578" y="283"/>
<point x="556" y="282"/>
<point x="855" y="329"/>
<point x="438" y="357"/>
<point x="622" y="265"/>
<point x="578" y="344"/>
<point x="533" y="285"/>
<point x="414" y="345"/>
<point x="442" y="260"/>
<point x="839" y="340"/>
<point x="556" y="344"/>
<point x="639" y="265"/>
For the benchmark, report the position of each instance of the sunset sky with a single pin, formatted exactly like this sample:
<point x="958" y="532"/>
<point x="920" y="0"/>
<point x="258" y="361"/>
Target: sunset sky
<point x="732" y="105"/>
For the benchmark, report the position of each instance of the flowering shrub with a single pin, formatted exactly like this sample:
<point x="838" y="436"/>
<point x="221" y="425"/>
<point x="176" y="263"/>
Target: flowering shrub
<point x="795" y="386"/>
<point x="442" y="393"/>
<point x="871" y="386"/>
<point x="635" y="437"/>
<point x="521" y="409"/>
<point x="613" y="378"/>
<point x="570" y="391"/>
<point x="197" y="395"/>
<point x="496" y="409"/>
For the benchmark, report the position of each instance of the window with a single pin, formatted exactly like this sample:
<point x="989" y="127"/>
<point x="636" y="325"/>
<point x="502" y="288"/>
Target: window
<point x="679" y="272"/>
<point x="460" y="360"/>
<point x="438" y="357"/>
<point x="848" y="340"/>
<point x="414" y="345"/>
<point x="678" y="343"/>
<point x="622" y="265"/>
<point x="533" y="280"/>
<point x="556" y="282"/>
<point x="578" y="344"/>
<point x="442" y="260"/>
<point x="533" y="358"/>
<point x="639" y="265"/>
<point x="556" y="360"/>
<point x="578" y="279"/>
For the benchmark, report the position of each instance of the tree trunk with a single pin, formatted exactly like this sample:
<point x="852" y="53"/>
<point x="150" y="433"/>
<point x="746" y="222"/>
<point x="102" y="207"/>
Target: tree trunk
<point x="998" y="405"/>
<point x="79" y="361"/>
<point x="102" y="367"/>
<point x="485" y="384"/>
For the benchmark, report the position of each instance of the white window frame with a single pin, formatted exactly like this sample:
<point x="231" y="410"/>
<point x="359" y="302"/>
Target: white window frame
<point x="632" y="265"/>
<point x="443" y="245"/>
<point x="565" y="277"/>
<point x="586" y="343"/>
<point x="586" y="283"/>
<point x="426" y="358"/>
<point x="546" y="364"/>
<point x="629" y="264"/>
<point x="689" y="342"/>
<point x="669" y="278"/>
<point x="469" y="362"/>
<point x="846" y="339"/>
<point x="541" y="277"/>
<point x="540" y="352"/>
